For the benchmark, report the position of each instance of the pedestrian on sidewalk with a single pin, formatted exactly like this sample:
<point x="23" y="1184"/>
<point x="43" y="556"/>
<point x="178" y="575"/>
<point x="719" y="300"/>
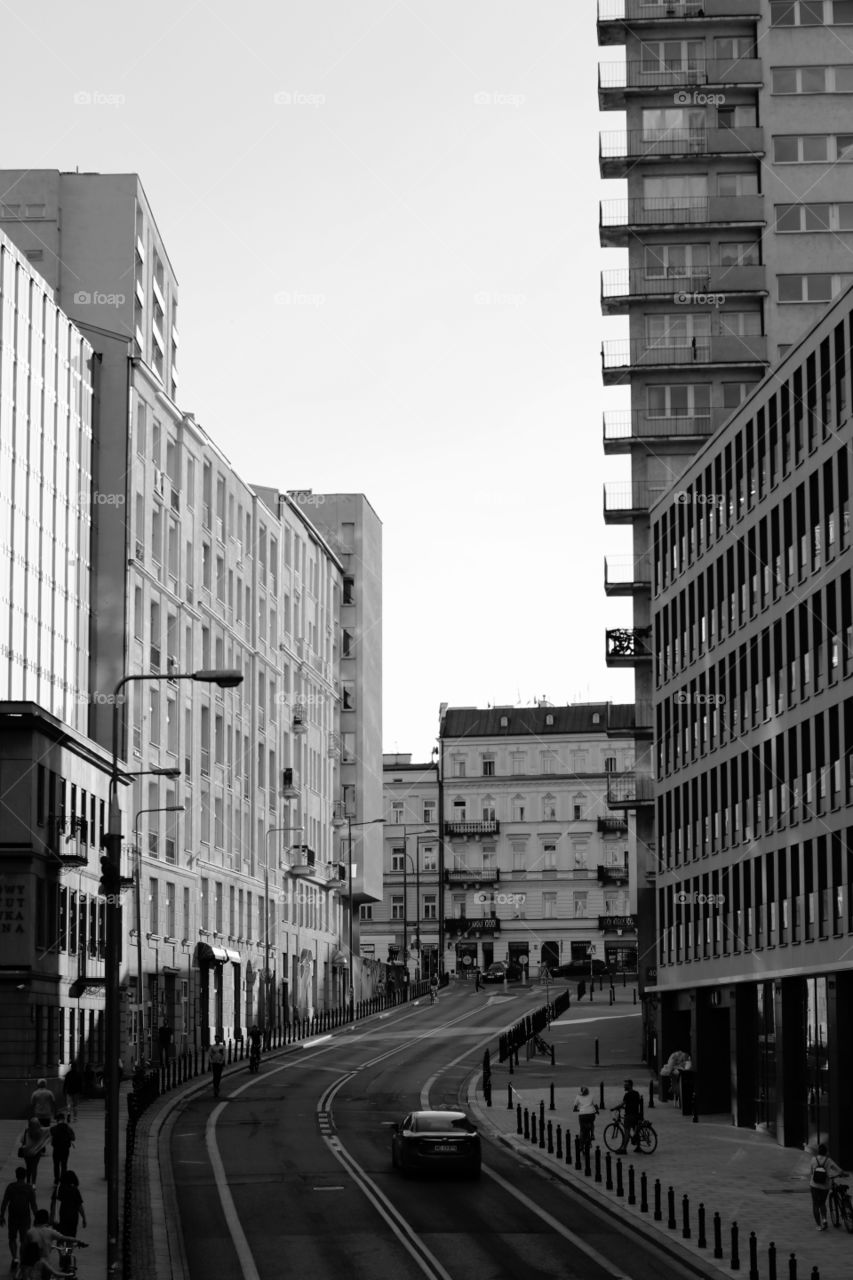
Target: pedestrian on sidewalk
<point x="164" y="1040"/>
<point x="33" y="1147"/>
<point x="69" y="1200"/>
<point x="823" y="1169"/>
<point x="19" y="1204"/>
<point x="62" y="1138"/>
<point x="43" y="1103"/>
<point x="217" y="1063"/>
<point x="587" y="1111"/>
<point x="46" y="1237"/>
<point x="72" y="1087"/>
<point x="33" y="1265"/>
<point x="476" y="979"/>
<point x="632" y="1113"/>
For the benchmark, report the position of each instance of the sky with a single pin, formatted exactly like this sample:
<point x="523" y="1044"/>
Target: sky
<point x="383" y="216"/>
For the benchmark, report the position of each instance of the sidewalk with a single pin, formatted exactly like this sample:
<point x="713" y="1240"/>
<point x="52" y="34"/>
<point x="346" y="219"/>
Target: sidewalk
<point x="739" y="1173"/>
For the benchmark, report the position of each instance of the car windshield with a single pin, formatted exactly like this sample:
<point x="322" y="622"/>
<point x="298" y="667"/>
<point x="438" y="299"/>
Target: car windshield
<point x="440" y="1124"/>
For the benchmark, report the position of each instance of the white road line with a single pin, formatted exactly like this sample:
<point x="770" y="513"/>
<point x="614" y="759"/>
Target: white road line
<point x="232" y="1218"/>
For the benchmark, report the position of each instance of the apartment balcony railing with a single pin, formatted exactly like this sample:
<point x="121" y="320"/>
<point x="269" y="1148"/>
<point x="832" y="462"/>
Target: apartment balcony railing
<point x="619" y="359"/>
<point x="666" y="12"/>
<point x="617" y="219"/>
<point x="627" y="575"/>
<point x="700" y="286"/>
<point x="614" y="78"/>
<point x="612" y="827"/>
<point x="623" y="428"/>
<point x="628" y="645"/>
<point x="629" y="500"/>
<point x="629" y="790"/>
<point x="617" y="874"/>
<point x="471" y="876"/>
<point x="620" y="148"/>
<point x="472" y="828"/>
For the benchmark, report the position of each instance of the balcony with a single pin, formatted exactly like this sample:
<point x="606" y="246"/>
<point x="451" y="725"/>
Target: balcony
<point x="472" y="927"/>
<point x="625" y="428"/>
<point x="630" y="500"/>
<point x="471" y="829"/>
<point x="619" y="219"/>
<point x="612" y="827"/>
<point x="627" y="646"/>
<point x="471" y="877"/>
<point x="627" y="575"/>
<point x="620" y="149"/>
<point x="617" y="81"/>
<point x="620" y="360"/>
<point x="629" y="791"/>
<point x="615" y="15"/>
<point x="613" y="874"/>
<point x="701" y="286"/>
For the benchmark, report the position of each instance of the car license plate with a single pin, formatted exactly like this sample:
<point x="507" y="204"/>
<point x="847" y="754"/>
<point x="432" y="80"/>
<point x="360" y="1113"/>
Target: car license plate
<point x="446" y="1146"/>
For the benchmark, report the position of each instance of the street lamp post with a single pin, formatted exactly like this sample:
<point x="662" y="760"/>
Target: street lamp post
<point x="273" y="831"/>
<point x="170" y="808"/>
<point x="110" y="887"/>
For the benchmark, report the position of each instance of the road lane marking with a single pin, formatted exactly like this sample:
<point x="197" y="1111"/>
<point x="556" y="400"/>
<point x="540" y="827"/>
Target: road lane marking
<point x="232" y="1219"/>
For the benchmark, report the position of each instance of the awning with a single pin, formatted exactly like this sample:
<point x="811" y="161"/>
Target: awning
<point x="233" y="956"/>
<point x="211" y="955"/>
<point x="340" y="959"/>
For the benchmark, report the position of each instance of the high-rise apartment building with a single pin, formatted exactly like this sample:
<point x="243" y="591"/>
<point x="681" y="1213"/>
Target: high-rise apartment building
<point x="736" y="218"/>
<point x="753" y="672"/>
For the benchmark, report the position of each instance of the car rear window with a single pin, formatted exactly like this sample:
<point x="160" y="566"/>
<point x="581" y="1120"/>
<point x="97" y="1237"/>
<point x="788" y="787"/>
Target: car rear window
<point x="441" y="1124"/>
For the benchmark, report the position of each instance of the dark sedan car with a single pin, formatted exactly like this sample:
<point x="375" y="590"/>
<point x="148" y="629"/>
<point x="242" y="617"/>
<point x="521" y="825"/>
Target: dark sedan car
<point x="436" y="1141"/>
<point x="579" y="969"/>
<point x="501" y="969"/>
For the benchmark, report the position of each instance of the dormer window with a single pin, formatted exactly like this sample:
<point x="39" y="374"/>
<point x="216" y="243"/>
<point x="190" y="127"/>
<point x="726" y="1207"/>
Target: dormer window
<point x="504" y="722"/>
<point x="549" y="719"/>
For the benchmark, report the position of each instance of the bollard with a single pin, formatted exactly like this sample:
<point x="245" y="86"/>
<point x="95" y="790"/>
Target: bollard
<point x="553" y="1058"/>
<point x="670" y="1209"/>
<point x="551" y="1106"/>
<point x="608" y="1172"/>
<point x="577" y="1152"/>
<point x="542" y="1132"/>
<point x="541" y="1115"/>
<point x="644" y="1192"/>
<point x="632" y="1194"/>
<point x="620" y="1190"/>
<point x="651" y="1095"/>
<point x="533" y="1138"/>
<point x="658" y="1213"/>
<point x="685" y="1217"/>
<point x="753" y="1256"/>
<point x="550" y="1138"/>
<point x="601" y="1095"/>
<point x="568" y="1147"/>
<point x="518" y="1118"/>
<point x="526" y="1123"/>
<point x="792" y="1267"/>
<point x="509" y="1097"/>
<point x="596" y="1051"/>
<point x="771" y="1261"/>
<point x="815" y="1274"/>
<point x="735" y="1258"/>
<point x="702" y="1241"/>
<point x="612" y="996"/>
<point x="634" y="994"/>
<point x="718" y="1236"/>
<point x="598" y="1164"/>
<point x="587" y="1168"/>
<point x="559" y="1142"/>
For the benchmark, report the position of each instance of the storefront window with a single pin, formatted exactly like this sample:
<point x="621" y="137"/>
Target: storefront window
<point x="817" y="1062"/>
<point x="765" y="1103"/>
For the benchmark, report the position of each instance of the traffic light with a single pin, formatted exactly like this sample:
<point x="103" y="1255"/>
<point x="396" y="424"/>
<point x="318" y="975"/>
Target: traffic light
<point x="110" y="883"/>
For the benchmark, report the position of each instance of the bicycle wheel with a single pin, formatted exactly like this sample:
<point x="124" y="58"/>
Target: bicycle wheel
<point x="614" y="1136"/>
<point x="648" y="1138"/>
<point x="847" y="1214"/>
<point x="833" y="1208"/>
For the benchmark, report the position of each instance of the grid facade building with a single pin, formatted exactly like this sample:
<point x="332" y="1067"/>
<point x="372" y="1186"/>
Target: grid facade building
<point x="753" y="670"/>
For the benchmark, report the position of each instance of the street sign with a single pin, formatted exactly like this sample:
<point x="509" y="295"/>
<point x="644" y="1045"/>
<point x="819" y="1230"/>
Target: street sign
<point x="368" y="948"/>
<point x="466" y="960"/>
<point x="524" y="959"/>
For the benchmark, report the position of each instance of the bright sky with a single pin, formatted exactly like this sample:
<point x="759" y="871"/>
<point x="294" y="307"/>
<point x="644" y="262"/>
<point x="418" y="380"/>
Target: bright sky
<point x="384" y="221"/>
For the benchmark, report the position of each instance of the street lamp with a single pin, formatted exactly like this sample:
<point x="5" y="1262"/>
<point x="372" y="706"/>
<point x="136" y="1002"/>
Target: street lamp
<point x="110" y="887"/>
<point x="368" y="822"/>
<point x="271" y="832"/>
<point x="430" y="831"/>
<point x="169" y="808"/>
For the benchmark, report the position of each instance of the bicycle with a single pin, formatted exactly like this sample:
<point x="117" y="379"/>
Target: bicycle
<point x="433" y="996"/>
<point x="67" y="1258"/>
<point x="840" y="1205"/>
<point x="615" y="1139"/>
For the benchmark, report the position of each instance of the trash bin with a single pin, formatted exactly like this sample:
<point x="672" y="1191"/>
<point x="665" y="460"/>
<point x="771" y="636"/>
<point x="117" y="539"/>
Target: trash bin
<point x="665" y="1089"/>
<point x="687" y="1084"/>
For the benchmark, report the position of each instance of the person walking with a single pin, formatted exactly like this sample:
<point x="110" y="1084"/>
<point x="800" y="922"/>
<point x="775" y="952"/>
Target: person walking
<point x="164" y="1041"/>
<point x="433" y="989"/>
<point x="72" y="1087"/>
<point x="476" y="979"/>
<point x="217" y="1063"/>
<point x="62" y="1137"/>
<point x="822" y="1170"/>
<point x="632" y="1113"/>
<point x="19" y="1205"/>
<point x="587" y="1111"/>
<point x="33" y="1265"/>
<point x="33" y="1146"/>
<point x="69" y="1200"/>
<point x="45" y="1237"/>
<point x="43" y="1103"/>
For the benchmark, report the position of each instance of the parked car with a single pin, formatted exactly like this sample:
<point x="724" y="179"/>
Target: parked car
<point x="579" y="969"/>
<point x="436" y="1142"/>
<point x="501" y="969"/>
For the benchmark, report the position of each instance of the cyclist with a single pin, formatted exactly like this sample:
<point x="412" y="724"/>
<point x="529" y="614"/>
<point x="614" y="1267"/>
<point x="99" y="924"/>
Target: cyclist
<point x="823" y="1168"/>
<point x="255" y="1044"/>
<point x="433" y="989"/>
<point x="632" y="1113"/>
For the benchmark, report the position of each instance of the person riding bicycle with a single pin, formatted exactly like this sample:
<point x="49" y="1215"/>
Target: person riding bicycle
<point x="433" y="988"/>
<point x="631" y="1107"/>
<point x="255" y="1043"/>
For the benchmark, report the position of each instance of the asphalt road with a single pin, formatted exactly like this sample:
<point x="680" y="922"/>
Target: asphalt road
<point x="290" y="1171"/>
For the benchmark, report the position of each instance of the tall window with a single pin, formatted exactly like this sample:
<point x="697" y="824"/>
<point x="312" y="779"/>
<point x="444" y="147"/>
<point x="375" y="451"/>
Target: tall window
<point x="579" y="903"/>
<point x="153" y="906"/>
<point x="549" y="905"/>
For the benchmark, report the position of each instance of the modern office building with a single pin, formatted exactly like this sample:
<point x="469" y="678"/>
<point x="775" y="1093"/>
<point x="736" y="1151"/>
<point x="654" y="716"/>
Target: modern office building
<point x="736" y="217"/>
<point x="752" y="664"/>
<point x="535" y="862"/>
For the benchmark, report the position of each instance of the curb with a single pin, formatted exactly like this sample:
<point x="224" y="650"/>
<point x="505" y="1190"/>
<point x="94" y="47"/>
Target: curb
<point x="597" y="1198"/>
